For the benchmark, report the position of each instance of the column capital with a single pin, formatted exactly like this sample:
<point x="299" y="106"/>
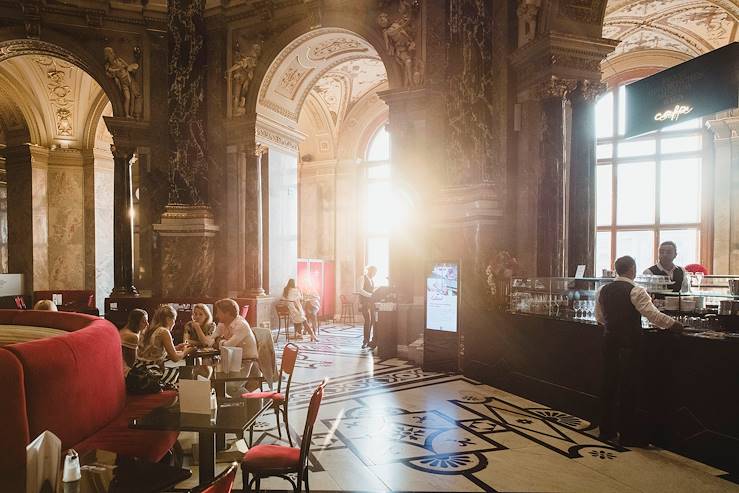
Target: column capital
<point x="726" y="126"/>
<point x="559" y="56"/>
<point x="128" y="132"/>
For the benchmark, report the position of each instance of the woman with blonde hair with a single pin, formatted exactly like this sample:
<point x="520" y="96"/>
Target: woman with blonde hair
<point x="201" y="317"/>
<point x="156" y="345"/>
<point x="293" y="299"/>
<point x="47" y="305"/>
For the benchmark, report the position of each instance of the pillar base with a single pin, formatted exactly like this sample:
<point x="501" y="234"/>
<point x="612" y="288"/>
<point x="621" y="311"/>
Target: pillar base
<point x="260" y="310"/>
<point x="187" y="251"/>
<point x="124" y="291"/>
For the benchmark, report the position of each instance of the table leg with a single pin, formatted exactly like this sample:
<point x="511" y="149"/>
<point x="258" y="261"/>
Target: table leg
<point x="220" y="388"/>
<point x="206" y="457"/>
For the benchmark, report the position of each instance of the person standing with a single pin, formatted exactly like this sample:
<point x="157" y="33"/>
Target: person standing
<point x="619" y="307"/>
<point x="665" y="266"/>
<point x="365" y="288"/>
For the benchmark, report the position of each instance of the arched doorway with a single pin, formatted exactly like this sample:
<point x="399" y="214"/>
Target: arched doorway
<point x="59" y="173"/>
<point x="316" y="108"/>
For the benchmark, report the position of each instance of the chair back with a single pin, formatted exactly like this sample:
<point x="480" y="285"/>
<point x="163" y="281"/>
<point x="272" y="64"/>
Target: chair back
<point x="244" y="311"/>
<point x="287" y="365"/>
<point x="223" y="483"/>
<point x="310" y="421"/>
<point x="19" y="303"/>
<point x="282" y="310"/>
<point x="91" y="301"/>
<point x="343" y="299"/>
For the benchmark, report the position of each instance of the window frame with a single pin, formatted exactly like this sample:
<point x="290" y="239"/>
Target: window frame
<point x="366" y="181"/>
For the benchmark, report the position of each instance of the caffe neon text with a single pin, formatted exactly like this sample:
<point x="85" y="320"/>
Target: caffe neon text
<point x="674" y="113"/>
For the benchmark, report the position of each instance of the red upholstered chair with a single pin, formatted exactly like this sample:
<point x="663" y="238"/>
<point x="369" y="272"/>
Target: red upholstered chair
<point x="20" y="303"/>
<point x="223" y="483"/>
<point x="244" y="311"/>
<point x="283" y="317"/>
<point x="278" y="398"/>
<point x="262" y="461"/>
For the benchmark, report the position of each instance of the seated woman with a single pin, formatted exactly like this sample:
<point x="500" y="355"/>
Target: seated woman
<point x="203" y="319"/>
<point x="45" y="305"/>
<point x="232" y="330"/>
<point x="156" y="345"/>
<point x="138" y="321"/>
<point x="292" y="298"/>
<point x="311" y="305"/>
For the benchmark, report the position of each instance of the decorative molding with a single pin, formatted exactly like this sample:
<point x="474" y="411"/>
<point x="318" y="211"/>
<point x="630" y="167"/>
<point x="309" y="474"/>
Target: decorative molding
<point x="726" y="126"/>
<point x="182" y="220"/>
<point x="586" y="11"/>
<point x="271" y="133"/>
<point x="467" y="205"/>
<point x="61" y="95"/>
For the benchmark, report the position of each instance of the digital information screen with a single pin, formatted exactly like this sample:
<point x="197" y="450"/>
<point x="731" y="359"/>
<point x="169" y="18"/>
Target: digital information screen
<point x="442" y="290"/>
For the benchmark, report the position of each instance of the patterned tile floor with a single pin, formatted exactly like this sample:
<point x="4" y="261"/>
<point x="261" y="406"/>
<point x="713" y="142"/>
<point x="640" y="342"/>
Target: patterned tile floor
<point x="389" y="426"/>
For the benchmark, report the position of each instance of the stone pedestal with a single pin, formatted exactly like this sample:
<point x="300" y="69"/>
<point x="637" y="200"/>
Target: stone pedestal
<point x="186" y="237"/>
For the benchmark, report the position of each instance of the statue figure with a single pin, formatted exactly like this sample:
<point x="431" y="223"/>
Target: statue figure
<point x="117" y="68"/>
<point x="242" y="73"/>
<point x="399" y="42"/>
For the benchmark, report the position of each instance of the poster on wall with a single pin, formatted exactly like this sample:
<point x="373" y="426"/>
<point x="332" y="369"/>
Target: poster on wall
<point x="442" y="297"/>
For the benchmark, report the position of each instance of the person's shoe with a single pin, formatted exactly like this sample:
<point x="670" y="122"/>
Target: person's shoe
<point x="364" y="344"/>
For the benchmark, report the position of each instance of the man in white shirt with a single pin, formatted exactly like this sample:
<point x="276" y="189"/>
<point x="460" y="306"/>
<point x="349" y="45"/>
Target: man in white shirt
<point x="232" y="330"/>
<point x="619" y="307"/>
<point x="665" y="266"/>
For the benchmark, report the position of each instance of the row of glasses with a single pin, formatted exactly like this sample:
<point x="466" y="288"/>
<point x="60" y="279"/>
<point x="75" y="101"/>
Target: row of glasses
<point x="584" y="309"/>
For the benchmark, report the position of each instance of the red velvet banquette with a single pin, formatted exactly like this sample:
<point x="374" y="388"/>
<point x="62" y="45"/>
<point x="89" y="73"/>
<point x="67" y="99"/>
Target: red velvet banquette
<point x="70" y="382"/>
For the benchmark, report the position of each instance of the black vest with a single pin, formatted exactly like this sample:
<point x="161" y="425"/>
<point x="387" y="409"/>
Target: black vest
<point x="623" y="321"/>
<point x="367" y="285"/>
<point x="677" y="276"/>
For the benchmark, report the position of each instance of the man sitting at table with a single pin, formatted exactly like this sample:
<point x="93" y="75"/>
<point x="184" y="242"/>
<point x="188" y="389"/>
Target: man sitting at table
<point x="232" y="330"/>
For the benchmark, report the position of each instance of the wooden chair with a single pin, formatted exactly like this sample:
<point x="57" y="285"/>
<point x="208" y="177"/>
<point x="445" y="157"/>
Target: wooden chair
<point x="263" y="461"/>
<point x="347" y="311"/>
<point x="283" y="316"/>
<point x="278" y="398"/>
<point x="223" y="483"/>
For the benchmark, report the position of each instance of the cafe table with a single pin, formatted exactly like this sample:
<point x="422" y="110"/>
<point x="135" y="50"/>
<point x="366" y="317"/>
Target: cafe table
<point x="107" y="472"/>
<point x="232" y="415"/>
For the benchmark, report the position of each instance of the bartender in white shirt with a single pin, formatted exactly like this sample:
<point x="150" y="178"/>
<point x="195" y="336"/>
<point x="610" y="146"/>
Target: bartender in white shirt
<point x="619" y="308"/>
<point x="665" y="266"/>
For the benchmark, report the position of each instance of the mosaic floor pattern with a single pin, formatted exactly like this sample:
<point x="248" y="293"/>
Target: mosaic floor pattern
<point x="389" y="426"/>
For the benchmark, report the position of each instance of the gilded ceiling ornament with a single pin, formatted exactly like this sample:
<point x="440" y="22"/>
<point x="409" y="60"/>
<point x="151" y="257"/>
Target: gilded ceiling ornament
<point x="58" y="76"/>
<point x="122" y="72"/>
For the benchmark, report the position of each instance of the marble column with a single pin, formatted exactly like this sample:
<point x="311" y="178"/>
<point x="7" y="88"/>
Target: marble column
<point x="26" y="167"/>
<point x="725" y="194"/>
<point x="253" y="248"/>
<point x="581" y="178"/>
<point x="187" y="227"/>
<point x="122" y="222"/>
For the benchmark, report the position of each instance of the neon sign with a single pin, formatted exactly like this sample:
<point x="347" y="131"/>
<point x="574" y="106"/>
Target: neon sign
<point x="674" y="113"/>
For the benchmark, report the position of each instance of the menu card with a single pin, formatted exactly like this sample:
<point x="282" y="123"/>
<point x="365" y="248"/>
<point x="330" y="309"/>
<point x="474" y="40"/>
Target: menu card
<point x="43" y="459"/>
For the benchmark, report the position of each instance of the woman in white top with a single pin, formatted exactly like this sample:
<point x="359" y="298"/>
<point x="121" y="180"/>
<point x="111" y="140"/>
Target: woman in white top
<point x="156" y="345"/>
<point x="293" y="300"/>
<point x="201" y="317"/>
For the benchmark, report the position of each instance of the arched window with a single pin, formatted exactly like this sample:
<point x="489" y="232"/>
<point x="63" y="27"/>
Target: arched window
<point x="648" y="188"/>
<point x="377" y="195"/>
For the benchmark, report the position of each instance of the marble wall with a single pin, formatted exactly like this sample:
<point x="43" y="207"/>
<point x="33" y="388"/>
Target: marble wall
<point x="189" y="265"/>
<point x="66" y="212"/>
<point x="3" y="228"/>
<point x="188" y="161"/>
<point x="317" y="212"/>
<point x="103" y="203"/>
<point x="283" y="218"/>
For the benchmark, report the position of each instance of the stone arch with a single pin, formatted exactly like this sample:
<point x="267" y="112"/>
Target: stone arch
<point x="60" y="46"/>
<point x="275" y="45"/>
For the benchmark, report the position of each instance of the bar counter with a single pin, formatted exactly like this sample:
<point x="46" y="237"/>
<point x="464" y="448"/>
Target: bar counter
<point x="690" y="392"/>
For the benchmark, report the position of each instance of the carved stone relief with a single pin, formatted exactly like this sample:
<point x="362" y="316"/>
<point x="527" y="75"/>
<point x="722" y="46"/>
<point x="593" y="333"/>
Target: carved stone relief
<point x="291" y="79"/>
<point x="241" y="73"/>
<point x="588" y="11"/>
<point x="58" y="76"/>
<point x="399" y="30"/>
<point x="124" y="74"/>
<point x="335" y="46"/>
<point x="527" y="13"/>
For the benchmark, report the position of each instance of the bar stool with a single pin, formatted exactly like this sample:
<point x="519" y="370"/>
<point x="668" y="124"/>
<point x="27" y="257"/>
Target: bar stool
<point x="347" y="311"/>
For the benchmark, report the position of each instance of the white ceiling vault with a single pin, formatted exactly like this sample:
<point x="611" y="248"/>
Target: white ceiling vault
<point x="688" y="27"/>
<point x="332" y="64"/>
<point x="56" y="100"/>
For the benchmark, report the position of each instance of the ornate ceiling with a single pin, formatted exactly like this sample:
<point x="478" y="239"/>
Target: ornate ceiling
<point x="52" y="98"/>
<point x="334" y="64"/>
<point x="689" y="27"/>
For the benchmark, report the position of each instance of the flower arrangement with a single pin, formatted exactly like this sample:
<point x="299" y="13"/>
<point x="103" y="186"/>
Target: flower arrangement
<point x="500" y="269"/>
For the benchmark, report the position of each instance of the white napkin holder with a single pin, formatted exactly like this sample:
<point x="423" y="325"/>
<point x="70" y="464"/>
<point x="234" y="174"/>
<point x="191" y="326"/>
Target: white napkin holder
<point x="71" y="467"/>
<point x="194" y="396"/>
<point x="231" y="359"/>
<point x="43" y="460"/>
